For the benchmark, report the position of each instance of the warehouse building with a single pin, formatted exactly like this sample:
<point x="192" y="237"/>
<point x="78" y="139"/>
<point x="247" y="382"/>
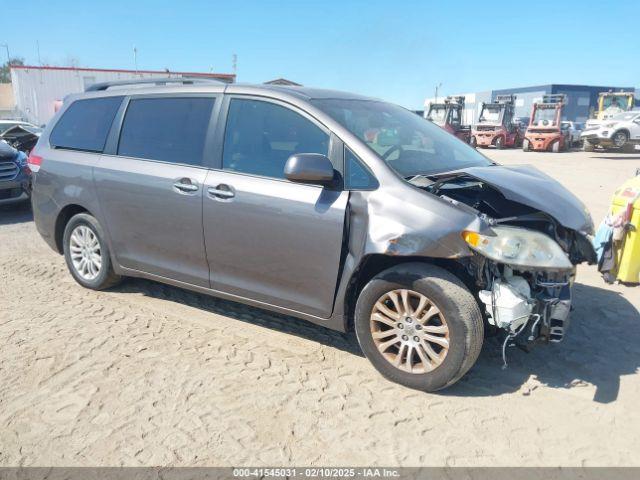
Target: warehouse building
<point x="39" y="91"/>
<point x="581" y="100"/>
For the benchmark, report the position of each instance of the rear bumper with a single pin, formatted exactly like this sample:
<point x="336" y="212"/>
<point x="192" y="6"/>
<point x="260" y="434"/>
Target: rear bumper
<point x="45" y="213"/>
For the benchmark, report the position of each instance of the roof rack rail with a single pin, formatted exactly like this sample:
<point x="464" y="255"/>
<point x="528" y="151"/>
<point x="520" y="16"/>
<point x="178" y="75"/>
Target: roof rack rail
<point x="99" y="87"/>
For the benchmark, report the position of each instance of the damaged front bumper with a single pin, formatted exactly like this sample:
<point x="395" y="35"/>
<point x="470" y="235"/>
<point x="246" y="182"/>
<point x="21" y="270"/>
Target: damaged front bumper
<point x="532" y="307"/>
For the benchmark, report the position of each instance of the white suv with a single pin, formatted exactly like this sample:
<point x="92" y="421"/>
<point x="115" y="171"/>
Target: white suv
<point x="620" y="131"/>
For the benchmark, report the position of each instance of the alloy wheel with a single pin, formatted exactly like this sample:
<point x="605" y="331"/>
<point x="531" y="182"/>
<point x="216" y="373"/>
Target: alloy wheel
<point x="86" y="253"/>
<point x="619" y="139"/>
<point x="409" y="331"/>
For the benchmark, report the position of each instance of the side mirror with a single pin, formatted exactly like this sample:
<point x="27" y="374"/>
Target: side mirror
<point x="309" y="168"/>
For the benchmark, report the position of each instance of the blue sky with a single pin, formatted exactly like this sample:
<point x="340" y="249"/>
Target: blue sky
<point x="393" y="50"/>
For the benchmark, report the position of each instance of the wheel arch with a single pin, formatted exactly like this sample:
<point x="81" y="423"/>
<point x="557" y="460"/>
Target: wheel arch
<point x="373" y="264"/>
<point x="61" y="222"/>
<point x="623" y="129"/>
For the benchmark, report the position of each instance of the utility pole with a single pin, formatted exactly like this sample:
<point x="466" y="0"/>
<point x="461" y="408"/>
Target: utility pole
<point x="234" y="63"/>
<point x="135" y="58"/>
<point x="437" y="88"/>
<point x="38" y="49"/>
<point x="6" y="46"/>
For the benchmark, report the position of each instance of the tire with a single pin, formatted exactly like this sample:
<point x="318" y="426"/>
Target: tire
<point x="526" y="146"/>
<point x="99" y="278"/>
<point x="457" y="311"/>
<point x="587" y="146"/>
<point x="620" y="139"/>
<point x="499" y="143"/>
<point x="555" y="146"/>
<point x="473" y="142"/>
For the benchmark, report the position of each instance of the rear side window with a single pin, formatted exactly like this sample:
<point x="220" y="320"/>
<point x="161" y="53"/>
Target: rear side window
<point x="85" y="124"/>
<point x="261" y="136"/>
<point x="166" y="129"/>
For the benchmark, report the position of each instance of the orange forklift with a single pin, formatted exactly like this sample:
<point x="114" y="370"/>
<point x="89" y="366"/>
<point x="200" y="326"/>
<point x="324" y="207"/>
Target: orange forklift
<point x="448" y="115"/>
<point x="495" y="125"/>
<point x="545" y="132"/>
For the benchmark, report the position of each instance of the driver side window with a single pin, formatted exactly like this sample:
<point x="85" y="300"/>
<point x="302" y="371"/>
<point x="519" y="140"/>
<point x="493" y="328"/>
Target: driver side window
<point x="261" y="136"/>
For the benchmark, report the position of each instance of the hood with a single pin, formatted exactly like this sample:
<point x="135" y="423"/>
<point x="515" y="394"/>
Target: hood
<point x="529" y="186"/>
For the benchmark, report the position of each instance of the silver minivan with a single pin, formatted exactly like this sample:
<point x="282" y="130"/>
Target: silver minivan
<point x="342" y="210"/>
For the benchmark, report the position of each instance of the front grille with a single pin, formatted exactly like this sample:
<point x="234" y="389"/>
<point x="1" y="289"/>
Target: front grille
<point x="486" y="129"/>
<point x="8" y="171"/>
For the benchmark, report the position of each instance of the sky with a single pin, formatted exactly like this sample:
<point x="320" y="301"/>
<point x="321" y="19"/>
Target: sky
<point x="395" y="50"/>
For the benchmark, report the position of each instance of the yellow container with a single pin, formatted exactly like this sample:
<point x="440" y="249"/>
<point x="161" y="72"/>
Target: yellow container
<point x="628" y="257"/>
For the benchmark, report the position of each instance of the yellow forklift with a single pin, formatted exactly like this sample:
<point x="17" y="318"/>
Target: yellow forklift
<point x="610" y="103"/>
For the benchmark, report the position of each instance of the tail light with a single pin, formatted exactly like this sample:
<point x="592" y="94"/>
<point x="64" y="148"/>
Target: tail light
<point x="34" y="162"/>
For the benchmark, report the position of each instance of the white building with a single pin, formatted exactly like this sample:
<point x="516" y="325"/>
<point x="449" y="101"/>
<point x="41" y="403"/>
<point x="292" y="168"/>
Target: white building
<point x="39" y="91"/>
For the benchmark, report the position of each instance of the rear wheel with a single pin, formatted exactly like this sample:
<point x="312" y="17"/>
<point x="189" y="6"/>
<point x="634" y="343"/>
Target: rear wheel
<point x="500" y="143"/>
<point x="526" y="146"/>
<point x="419" y="326"/>
<point x="87" y="254"/>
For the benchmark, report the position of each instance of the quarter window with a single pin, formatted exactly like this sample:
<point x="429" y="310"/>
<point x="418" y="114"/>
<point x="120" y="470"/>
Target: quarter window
<point x="357" y="175"/>
<point x="85" y="124"/>
<point x="261" y="136"/>
<point x="166" y="129"/>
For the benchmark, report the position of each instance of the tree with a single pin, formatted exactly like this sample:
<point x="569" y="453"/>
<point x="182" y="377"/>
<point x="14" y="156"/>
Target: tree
<point x="5" y="74"/>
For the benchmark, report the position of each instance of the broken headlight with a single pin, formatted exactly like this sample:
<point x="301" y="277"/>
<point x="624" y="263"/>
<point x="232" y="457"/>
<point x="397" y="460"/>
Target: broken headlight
<point x="518" y="246"/>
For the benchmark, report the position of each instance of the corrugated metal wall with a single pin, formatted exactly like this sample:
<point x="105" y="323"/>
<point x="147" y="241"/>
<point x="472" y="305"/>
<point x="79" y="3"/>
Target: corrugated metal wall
<point x="37" y="90"/>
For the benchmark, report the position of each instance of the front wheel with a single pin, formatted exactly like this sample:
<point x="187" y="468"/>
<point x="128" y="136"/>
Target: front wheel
<point x="87" y="254"/>
<point x="526" y="146"/>
<point x="419" y="326"/>
<point x="499" y="143"/>
<point x="473" y="142"/>
<point x="555" y="146"/>
<point x="587" y="146"/>
<point x="620" y="139"/>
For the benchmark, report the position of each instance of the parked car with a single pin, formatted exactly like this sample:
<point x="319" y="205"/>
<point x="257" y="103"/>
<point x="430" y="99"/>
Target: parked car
<point x="15" y="177"/>
<point x="22" y="137"/>
<point x="346" y="211"/>
<point x="7" y="124"/>
<point x="574" y="129"/>
<point x="622" y="131"/>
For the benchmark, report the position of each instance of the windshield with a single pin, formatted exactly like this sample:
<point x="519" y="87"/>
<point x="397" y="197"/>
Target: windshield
<point x="407" y="143"/>
<point x="490" y="114"/>
<point x="624" y="117"/>
<point x="615" y="102"/>
<point x="544" y="117"/>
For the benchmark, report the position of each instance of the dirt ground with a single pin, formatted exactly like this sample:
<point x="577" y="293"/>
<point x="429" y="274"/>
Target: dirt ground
<point x="148" y="374"/>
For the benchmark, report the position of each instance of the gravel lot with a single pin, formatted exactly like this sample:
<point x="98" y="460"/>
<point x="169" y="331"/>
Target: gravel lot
<point x="148" y="374"/>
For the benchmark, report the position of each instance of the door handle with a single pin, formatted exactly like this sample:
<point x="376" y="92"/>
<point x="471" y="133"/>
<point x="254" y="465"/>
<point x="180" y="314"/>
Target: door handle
<point x="186" y="186"/>
<point x="221" y="192"/>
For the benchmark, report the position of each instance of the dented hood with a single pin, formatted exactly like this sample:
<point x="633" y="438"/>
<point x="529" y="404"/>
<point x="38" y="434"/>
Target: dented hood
<point x="529" y="186"/>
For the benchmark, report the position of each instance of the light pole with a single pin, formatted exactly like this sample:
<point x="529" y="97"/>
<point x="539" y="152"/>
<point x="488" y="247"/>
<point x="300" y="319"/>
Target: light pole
<point x="6" y="46"/>
<point x="437" y="88"/>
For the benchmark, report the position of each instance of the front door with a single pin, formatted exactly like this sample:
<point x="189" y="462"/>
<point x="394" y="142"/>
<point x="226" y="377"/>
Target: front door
<point x="151" y="191"/>
<point x="268" y="239"/>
